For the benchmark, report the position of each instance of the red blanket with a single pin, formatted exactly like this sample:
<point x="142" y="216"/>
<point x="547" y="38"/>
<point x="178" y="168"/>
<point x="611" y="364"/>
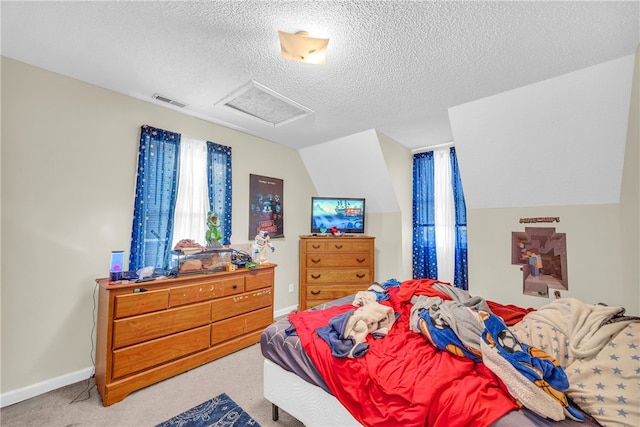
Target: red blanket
<point x="402" y="380"/>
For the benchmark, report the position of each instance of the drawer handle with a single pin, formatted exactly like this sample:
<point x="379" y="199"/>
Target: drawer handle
<point x="315" y="292"/>
<point x="235" y="286"/>
<point x="315" y="260"/>
<point x="315" y="246"/>
<point x="338" y="246"/>
<point x="316" y="276"/>
<point x="360" y="260"/>
<point x="360" y="276"/>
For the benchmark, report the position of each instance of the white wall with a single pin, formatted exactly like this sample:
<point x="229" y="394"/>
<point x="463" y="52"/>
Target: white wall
<point x="352" y="166"/>
<point x="557" y="142"/>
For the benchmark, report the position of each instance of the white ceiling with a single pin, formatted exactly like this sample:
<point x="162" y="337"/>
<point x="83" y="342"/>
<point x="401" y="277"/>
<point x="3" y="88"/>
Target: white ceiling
<point x="395" y="66"/>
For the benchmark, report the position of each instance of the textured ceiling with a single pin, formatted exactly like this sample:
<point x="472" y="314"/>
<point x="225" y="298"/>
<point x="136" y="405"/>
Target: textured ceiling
<point x="393" y="66"/>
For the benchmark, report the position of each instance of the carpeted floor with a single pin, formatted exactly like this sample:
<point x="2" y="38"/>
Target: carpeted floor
<point x="239" y="375"/>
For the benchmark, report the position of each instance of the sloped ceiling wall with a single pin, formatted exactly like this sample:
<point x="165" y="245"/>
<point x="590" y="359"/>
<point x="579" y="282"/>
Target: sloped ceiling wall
<point x="557" y="142"/>
<point x="353" y="166"/>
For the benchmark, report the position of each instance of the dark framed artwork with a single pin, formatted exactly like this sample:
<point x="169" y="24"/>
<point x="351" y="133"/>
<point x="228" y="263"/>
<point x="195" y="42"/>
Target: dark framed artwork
<point x="542" y="255"/>
<point x="266" y="203"/>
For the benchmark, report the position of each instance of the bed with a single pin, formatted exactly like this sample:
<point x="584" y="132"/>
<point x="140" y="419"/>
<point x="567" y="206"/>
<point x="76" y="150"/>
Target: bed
<point x="403" y="378"/>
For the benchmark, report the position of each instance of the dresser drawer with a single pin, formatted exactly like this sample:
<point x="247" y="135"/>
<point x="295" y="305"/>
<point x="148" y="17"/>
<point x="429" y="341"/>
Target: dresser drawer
<point x="146" y="327"/>
<point x="153" y="353"/>
<point x="329" y="244"/>
<point x="224" y="308"/>
<point x="347" y="246"/>
<point x="258" y="279"/>
<point x="338" y="260"/>
<point x="190" y="294"/>
<point x="140" y="303"/>
<point x="316" y="246"/>
<point x="331" y="292"/>
<point x="344" y="275"/>
<point x="230" y="328"/>
<point x="231" y="286"/>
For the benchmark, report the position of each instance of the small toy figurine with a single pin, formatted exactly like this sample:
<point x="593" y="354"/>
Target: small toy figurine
<point x="335" y="231"/>
<point x="260" y="245"/>
<point x="213" y="235"/>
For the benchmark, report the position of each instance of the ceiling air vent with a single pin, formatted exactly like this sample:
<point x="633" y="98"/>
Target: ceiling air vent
<point x="168" y="100"/>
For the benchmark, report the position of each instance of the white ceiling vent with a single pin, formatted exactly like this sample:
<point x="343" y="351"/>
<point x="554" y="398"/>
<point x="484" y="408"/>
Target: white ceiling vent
<point x="263" y="104"/>
<point x="168" y="100"/>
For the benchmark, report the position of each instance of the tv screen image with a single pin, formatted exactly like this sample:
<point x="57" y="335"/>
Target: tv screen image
<point x="345" y="213"/>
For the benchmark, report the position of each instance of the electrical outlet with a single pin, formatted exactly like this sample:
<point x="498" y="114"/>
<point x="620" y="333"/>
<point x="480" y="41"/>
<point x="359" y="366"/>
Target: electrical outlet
<point x="290" y="287"/>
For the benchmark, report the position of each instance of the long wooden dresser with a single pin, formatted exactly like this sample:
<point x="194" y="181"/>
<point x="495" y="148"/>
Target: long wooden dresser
<point x="333" y="267"/>
<point x="150" y="331"/>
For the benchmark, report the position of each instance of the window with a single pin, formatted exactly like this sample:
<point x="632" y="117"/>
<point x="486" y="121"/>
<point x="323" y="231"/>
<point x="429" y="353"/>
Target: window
<point x="439" y="218"/>
<point x="171" y="194"/>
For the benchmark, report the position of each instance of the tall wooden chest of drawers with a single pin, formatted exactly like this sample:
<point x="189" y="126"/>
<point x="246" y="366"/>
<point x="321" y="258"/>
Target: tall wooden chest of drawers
<point x="333" y="267"/>
<point x="150" y="331"/>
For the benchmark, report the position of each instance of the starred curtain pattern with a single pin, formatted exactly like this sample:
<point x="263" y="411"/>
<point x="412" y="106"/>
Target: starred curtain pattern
<point x="425" y="264"/>
<point x="157" y="186"/>
<point x="427" y="220"/>
<point x="219" y="182"/>
<point x="154" y="206"/>
<point x="460" y="265"/>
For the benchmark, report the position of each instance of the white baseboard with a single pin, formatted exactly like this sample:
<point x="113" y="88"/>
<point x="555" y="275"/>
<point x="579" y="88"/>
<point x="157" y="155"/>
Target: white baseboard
<point x="285" y="311"/>
<point x="37" y="389"/>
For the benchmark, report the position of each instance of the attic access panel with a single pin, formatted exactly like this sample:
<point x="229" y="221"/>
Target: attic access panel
<point x="267" y="106"/>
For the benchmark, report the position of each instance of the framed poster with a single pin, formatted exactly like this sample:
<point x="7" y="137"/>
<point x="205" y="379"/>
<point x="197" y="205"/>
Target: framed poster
<point x="266" y="206"/>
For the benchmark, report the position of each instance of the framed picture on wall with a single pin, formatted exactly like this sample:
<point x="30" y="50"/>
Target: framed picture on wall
<point x="266" y="206"/>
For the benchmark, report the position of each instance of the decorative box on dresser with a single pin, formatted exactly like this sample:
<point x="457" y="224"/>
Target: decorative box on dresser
<point x="333" y="267"/>
<point x="150" y="331"/>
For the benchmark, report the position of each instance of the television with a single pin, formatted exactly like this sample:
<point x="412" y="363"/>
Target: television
<point x="344" y="213"/>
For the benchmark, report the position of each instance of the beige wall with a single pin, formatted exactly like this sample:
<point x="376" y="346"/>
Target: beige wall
<point x="594" y="248"/>
<point x="397" y="238"/>
<point x="69" y="153"/>
<point x="630" y="192"/>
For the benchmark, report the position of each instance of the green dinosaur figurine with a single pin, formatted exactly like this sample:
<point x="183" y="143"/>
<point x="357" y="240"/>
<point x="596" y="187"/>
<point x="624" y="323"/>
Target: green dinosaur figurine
<point x="213" y="235"/>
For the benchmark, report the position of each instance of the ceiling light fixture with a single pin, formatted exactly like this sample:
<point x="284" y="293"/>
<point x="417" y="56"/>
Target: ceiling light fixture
<point x="302" y="48"/>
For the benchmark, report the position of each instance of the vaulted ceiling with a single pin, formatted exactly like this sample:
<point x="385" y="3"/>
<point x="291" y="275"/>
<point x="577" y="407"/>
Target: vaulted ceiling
<point x="394" y="66"/>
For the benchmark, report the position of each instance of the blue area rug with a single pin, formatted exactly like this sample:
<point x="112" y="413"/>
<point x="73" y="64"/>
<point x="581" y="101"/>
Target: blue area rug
<point x="221" y="411"/>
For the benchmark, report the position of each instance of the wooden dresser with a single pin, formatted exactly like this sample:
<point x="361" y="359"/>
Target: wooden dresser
<point x="150" y="331"/>
<point x="333" y="267"/>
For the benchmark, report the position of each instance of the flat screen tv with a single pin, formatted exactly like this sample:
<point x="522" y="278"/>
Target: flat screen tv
<point x="345" y="213"/>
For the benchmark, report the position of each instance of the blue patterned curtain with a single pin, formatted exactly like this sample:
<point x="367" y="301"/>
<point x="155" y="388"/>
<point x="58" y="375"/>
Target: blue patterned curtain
<point x="461" y="270"/>
<point x="219" y="180"/>
<point x="156" y="187"/>
<point x="425" y="264"/>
